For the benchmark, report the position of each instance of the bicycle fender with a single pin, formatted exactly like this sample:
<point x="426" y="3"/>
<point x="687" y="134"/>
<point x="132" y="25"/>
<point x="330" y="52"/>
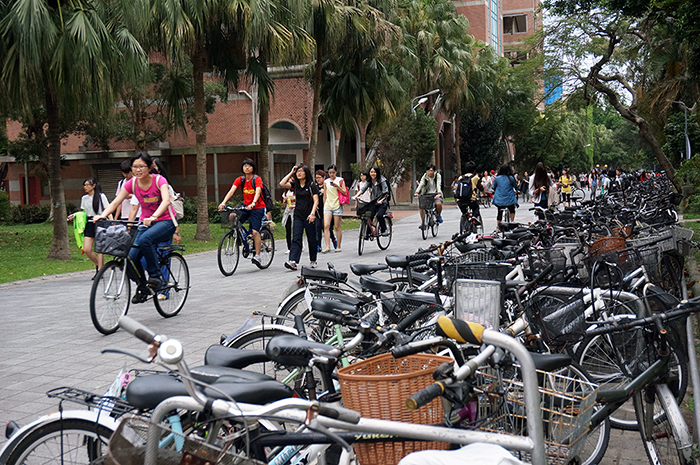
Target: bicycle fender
<point x="92" y="416"/>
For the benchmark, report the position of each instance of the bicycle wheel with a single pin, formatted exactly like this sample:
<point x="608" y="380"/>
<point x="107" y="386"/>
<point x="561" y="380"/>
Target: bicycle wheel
<point x="71" y="441"/>
<point x="110" y="296"/>
<point x="613" y="361"/>
<point x="229" y="253"/>
<point x="434" y="228"/>
<point x="176" y="285"/>
<point x="361" y="237"/>
<point x="671" y="268"/>
<point x="424" y="224"/>
<point x="384" y="240"/>
<point x="668" y="441"/>
<point x="578" y="196"/>
<point x="267" y="247"/>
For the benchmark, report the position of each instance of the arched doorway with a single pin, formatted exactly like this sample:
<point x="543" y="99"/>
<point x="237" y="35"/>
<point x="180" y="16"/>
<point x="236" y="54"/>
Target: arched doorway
<point x="286" y="150"/>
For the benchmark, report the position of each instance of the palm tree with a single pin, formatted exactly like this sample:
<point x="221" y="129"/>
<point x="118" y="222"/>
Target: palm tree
<point x="206" y="34"/>
<point x="69" y="57"/>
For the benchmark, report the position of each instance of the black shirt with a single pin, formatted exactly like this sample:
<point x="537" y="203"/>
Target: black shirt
<point x="305" y="198"/>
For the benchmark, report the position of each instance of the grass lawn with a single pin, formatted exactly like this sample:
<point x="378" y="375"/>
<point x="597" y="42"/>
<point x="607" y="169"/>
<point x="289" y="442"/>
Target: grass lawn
<point x="24" y="247"/>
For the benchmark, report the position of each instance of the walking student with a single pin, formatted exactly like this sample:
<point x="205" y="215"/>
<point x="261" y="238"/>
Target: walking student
<point x="288" y="216"/>
<point x="306" y="191"/>
<point x="92" y="203"/>
<point x="333" y="187"/>
<point x="320" y="178"/>
<point x="540" y="185"/>
<point x="504" y="193"/>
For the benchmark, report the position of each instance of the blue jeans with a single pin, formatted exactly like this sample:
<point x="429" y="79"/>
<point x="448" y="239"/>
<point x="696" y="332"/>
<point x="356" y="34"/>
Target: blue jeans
<point x="147" y="239"/>
<point x="301" y="225"/>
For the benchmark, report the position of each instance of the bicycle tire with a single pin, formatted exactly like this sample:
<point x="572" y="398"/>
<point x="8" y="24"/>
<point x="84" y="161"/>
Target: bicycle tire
<point x="110" y="296"/>
<point x="578" y="196"/>
<point x="384" y="240"/>
<point x="82" y="442"/>
<point x="424" y="224"/>
<point x="267" y="248"/>
<point x="229" y="253"/>
<point x="436" y="225"/>
<point x="597" y="357"/>
<point x="671" y="268"/>
<point x="171" y="298"/>
<point x="668" y="441"/>
<point x="361" y="238"/>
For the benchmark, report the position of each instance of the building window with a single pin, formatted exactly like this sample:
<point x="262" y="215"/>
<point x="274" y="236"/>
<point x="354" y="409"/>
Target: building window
<point x="514" y="24"/>
<point x="494" y="20"/>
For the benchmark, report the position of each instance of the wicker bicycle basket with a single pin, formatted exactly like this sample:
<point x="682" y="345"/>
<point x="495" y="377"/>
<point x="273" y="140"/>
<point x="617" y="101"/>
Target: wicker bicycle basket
<point x="127" y="446"/>
<point x="606" y="244"/>
<point x="378" y="388"/>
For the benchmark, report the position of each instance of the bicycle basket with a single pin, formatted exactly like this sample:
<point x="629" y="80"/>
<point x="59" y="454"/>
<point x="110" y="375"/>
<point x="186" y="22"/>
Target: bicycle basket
<point x="226" y="222"/>
<point x="566" y="404"/>
<point x="426" y="201"/>
<point x="541" y="258"/>
<point x="128" y="447"/>
<point x="114" y="238"/>
<point x="378" y="387"/>
<point x="560" y="322"/>
<point x="606" y="244"/>
<point x="478" y="301"/>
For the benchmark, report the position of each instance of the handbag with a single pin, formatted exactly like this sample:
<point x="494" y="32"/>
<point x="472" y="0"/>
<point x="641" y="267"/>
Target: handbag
<point x="343" y="196"/>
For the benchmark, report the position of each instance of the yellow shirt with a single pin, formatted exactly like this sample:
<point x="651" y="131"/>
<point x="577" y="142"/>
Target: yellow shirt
<point x="565" y="184"/>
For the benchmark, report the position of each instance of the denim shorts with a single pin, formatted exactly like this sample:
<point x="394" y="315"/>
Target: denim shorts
<point x="337" y="212"/>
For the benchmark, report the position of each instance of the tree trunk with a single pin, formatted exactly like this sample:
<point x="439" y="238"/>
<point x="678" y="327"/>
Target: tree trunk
<point x="458" y="141"/>
<point x="316" y="105"/>
<point x="60" y="249"/>
<point x="200" y="128"/>
<point x="264" y="120"/>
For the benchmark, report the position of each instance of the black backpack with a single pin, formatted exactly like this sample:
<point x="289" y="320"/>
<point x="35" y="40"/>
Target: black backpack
<point x="464" y="188"/>
<point x="267" y="197"/>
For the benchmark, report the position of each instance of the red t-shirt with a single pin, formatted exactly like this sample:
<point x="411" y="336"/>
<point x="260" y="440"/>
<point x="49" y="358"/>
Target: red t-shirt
<point x="249" y="191"/>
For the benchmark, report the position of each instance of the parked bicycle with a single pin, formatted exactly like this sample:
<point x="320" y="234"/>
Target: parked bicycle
<point x="429" y="220"/>
<point x="369" y="231"/>
<point x="471" y="224"/>
<point x="239" y="240"/>
<point x="111" y="290"/>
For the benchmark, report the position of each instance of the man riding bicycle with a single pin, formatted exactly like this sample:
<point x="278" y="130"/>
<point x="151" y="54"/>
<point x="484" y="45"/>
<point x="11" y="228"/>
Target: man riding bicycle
<point x="470" y="202"/>
<point x="253" y="200"/>
<point x="431" y="183"/>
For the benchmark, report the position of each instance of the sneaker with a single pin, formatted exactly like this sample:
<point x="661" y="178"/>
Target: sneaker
<point x="439" y="218"/>
<point x="155" y="282"/>
<point x="313" y="265"/>
<point x="162" y="297"/>
<point x="325" y="250"/>
<point x="140" y="296"/>
<point x="338" y="249"/>
<point x="420" y="226"/>
<point x="335" y="243"/>
<point x="290" y="265"/>
<point x="318" y="248"/>
<point x="256" y="260"/>
<point x="287" y="252"/>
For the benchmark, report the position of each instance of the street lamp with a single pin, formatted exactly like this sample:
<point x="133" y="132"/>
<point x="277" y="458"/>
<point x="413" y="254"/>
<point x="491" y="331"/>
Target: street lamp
<point x="421" y="100"/>
<point x="687" y="139"/>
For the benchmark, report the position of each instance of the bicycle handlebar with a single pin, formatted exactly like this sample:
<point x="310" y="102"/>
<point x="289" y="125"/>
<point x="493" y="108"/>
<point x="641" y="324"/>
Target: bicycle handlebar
<point x="137" y="329"/>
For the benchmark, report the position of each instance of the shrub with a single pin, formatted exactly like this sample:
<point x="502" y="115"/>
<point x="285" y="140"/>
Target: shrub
<point x="30" y="214"/>
<point x="693" y="205"/>
<point x="5" y="207"/>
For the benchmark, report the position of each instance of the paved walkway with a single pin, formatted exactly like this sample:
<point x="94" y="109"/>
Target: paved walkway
<point x="47" y="339"/>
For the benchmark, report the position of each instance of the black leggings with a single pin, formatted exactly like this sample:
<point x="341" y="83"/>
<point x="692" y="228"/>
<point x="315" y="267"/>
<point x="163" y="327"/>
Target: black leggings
<point x="510" y="208"/>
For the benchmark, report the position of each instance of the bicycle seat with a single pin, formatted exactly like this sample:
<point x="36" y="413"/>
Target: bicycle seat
<point x="423" y="297"/>
<point x="146" y="392"/>
<point x="511" y="284"/>
<point x="376" y="285"/>
<point x="500" y="243"/>
<point x="397" y="261"/>
<point x="211" y="374"/>
<point x="550" y="362"/>
<point x="166" y="248"/>
<point x="508" y="226"/>
<point x="464" y="247"/>
<point x="519" y="236"/>
<point x="324" y="275"/>
<point x="294" y="351"/>
<point x="360" y="269"/>
<point x="332" y="306"/>
<point x="223" y="356"/>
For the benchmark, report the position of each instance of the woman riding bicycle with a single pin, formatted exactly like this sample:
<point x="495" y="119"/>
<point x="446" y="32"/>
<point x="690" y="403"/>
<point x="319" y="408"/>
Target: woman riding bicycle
<point x="431" y="183"/>
<point x="380" y="192"/>
<point x="153" y="195"/>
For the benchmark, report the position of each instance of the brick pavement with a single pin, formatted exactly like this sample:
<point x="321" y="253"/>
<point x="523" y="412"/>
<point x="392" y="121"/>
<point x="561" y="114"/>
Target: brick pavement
<point x="47" y="338"/>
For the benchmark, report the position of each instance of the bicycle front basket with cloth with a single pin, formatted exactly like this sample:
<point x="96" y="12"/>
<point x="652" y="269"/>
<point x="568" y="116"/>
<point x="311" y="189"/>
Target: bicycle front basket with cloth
<point x="560" y="320"/>
<point x="113" y="238"/>
<point x="378" y="388"/>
